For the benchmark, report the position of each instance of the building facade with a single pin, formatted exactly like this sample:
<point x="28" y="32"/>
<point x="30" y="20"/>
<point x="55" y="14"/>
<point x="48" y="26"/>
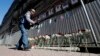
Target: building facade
<point x="75" y="20"/>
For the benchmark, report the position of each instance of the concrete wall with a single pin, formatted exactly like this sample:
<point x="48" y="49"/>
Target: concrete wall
<point x="11" y="39"/>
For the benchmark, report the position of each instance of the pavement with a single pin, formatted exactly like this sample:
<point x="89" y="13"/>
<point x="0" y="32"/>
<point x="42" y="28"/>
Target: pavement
<point x="10" y="51"/>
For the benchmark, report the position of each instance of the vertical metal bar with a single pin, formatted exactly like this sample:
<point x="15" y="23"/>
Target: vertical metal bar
<point x="77" y="18"/>
<point x="89" y="22"/>
<point x="71" y="29"/>
<point x="98" y="2"/>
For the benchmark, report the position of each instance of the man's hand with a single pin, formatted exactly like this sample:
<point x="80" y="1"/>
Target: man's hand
<point x="37" y="22"/>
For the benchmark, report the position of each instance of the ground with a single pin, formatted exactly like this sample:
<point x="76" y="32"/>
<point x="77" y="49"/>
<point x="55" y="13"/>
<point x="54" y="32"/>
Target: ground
<point x="10" y="51"/>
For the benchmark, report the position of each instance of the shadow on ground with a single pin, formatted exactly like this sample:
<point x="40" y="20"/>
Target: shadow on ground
<point x="95" y="50"/>
<point x="14" y="48"/>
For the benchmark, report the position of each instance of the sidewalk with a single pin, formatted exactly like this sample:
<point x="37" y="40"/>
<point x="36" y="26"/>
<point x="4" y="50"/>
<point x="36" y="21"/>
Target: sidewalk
<point x="9" y="51"/>
<point x="60" y="48"/>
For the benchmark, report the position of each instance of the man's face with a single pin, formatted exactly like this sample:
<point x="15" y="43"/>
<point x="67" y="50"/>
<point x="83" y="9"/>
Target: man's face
<point x="32" y="12"/>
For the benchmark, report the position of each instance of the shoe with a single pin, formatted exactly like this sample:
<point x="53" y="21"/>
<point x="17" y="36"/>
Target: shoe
<point x="20" y="48"/>
<point x="26" y="49"/>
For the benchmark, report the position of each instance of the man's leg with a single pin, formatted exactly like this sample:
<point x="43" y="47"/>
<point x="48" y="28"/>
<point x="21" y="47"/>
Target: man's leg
<point x="19" y="44"/>
<point x="24" y="36"/>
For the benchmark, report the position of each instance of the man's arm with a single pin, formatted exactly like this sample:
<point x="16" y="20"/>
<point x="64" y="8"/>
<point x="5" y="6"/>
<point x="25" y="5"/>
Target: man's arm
<point x="28" y="18"/>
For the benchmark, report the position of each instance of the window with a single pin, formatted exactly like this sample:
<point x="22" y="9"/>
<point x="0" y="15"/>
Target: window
<point x="65" y="5"/>
<point x="50" y="12"/>
<point x="74" y="2"/>
<point x="58" y="8"/>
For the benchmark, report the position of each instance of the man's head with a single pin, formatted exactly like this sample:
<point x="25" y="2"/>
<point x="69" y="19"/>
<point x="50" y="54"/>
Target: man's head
<point x="32" y="11"/>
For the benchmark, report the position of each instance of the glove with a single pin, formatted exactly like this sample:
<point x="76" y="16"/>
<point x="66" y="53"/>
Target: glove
<point x="36" y="23"/>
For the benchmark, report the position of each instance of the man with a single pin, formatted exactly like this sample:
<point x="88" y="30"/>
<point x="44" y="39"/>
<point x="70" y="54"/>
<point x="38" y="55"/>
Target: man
<point x="24" y="24"/>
